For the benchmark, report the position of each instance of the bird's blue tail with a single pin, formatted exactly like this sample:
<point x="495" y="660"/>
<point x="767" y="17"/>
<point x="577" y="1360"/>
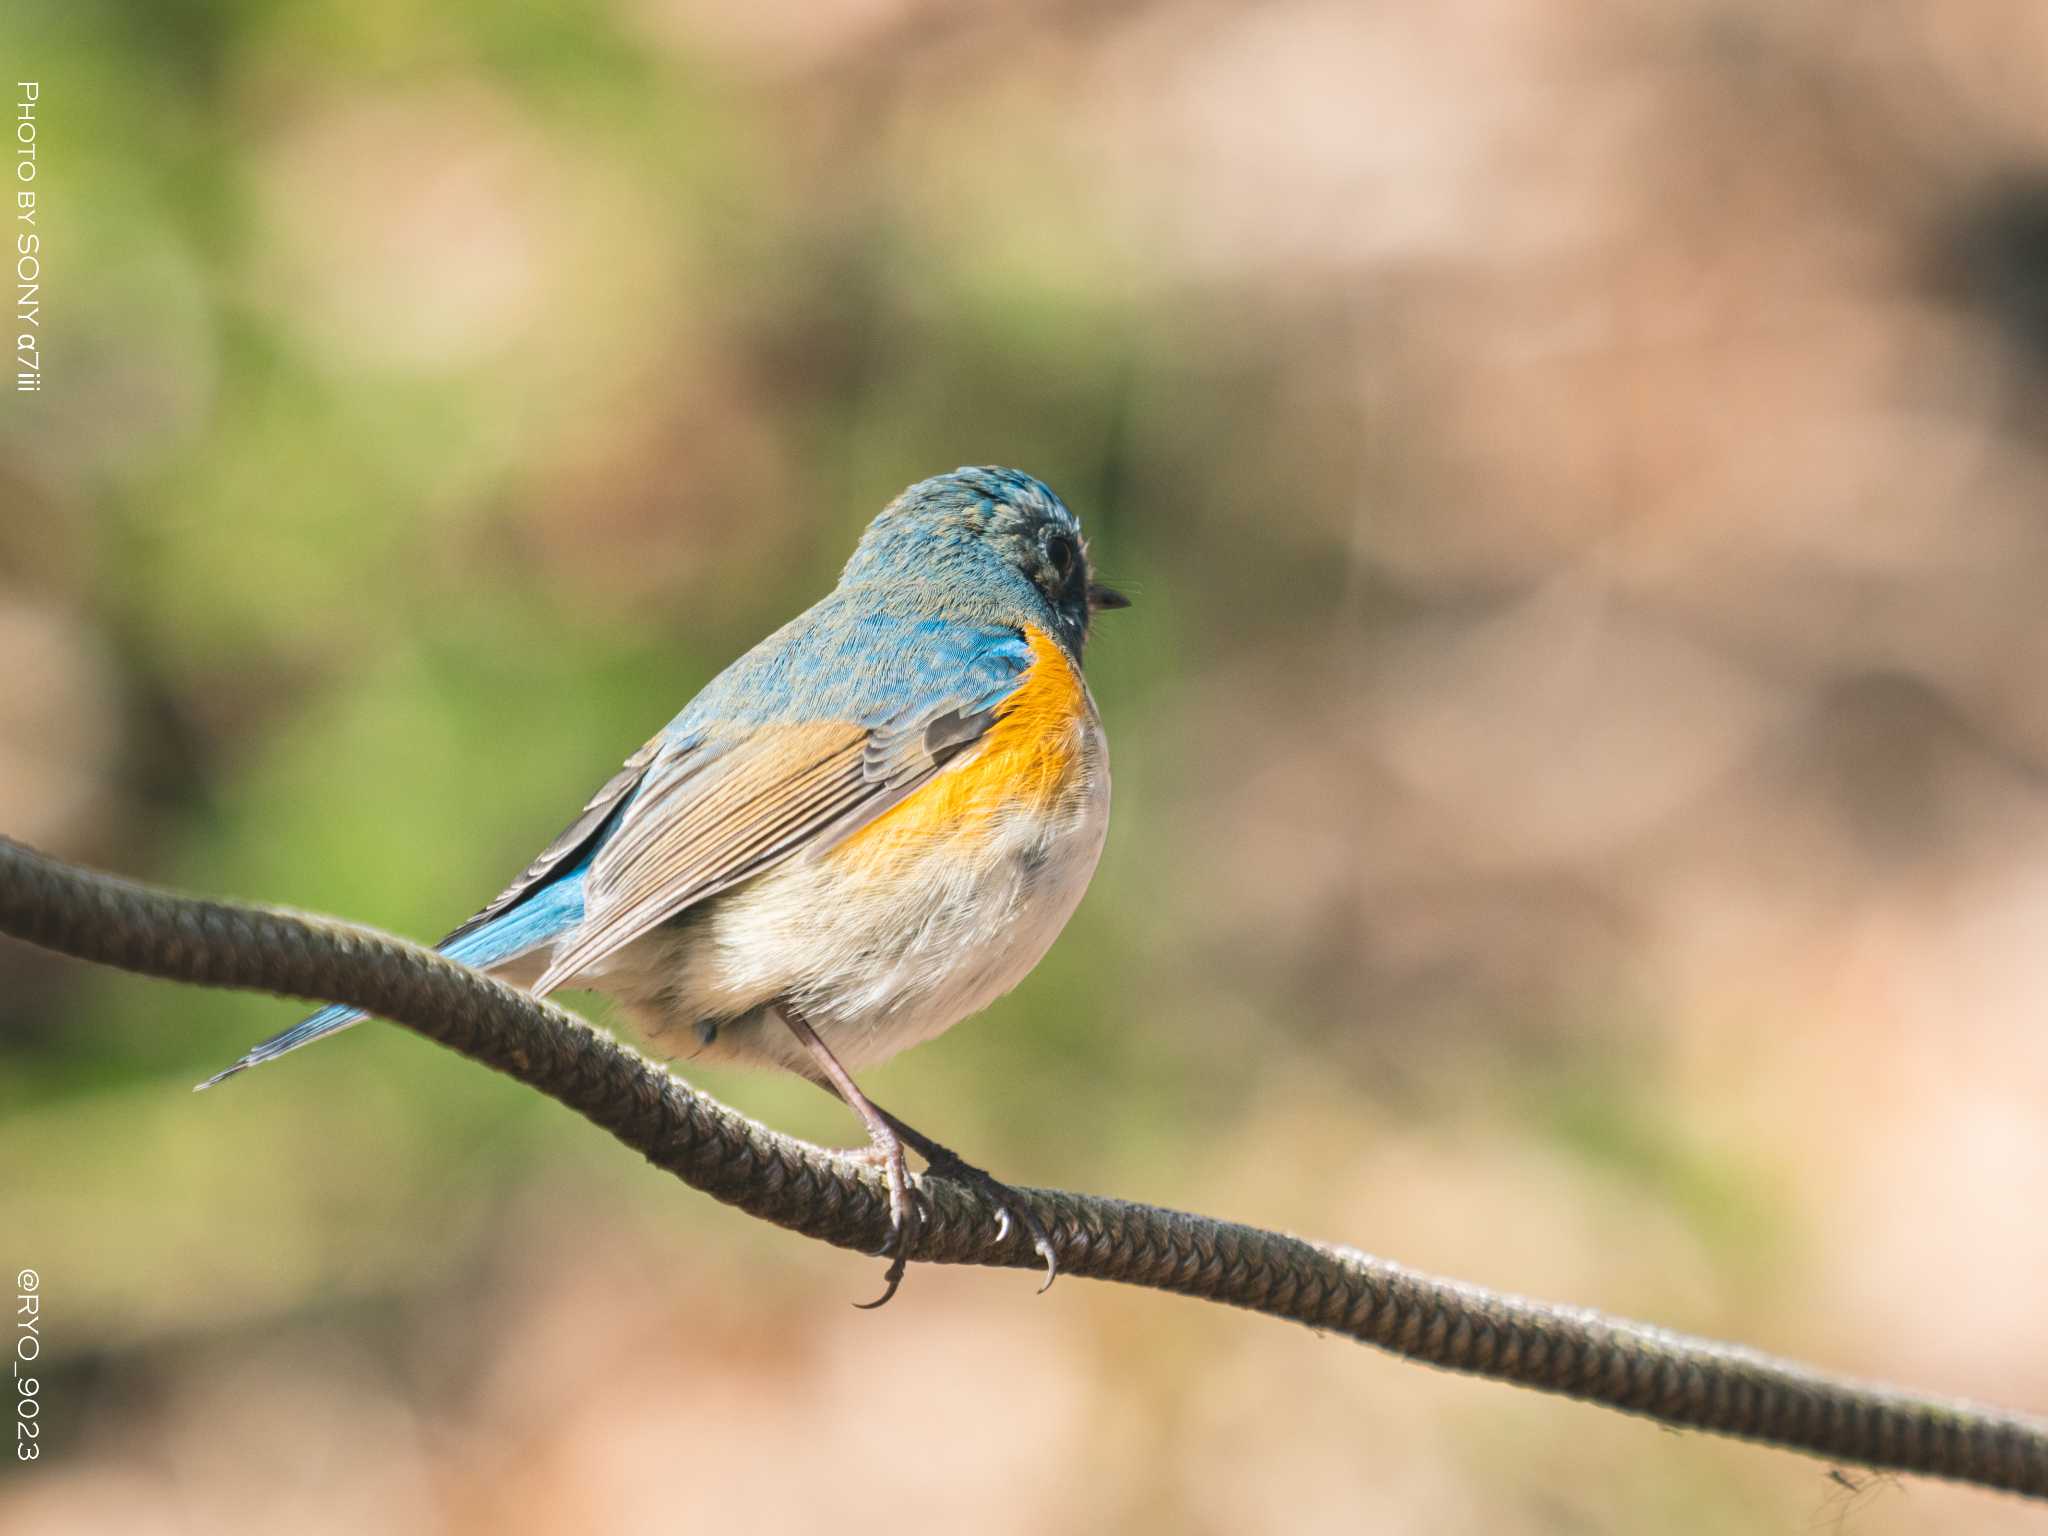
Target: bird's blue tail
<point x="543" y="915"/>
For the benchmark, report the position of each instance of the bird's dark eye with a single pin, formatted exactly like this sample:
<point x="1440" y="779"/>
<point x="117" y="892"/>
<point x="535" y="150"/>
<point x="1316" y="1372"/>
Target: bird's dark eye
<point x="1059" y="549"/>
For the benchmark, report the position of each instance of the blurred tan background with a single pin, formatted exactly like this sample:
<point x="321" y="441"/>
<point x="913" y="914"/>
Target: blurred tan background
<point x="1581" y="744"/>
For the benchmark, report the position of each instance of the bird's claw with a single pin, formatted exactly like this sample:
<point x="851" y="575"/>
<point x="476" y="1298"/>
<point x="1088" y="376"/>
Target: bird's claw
<point x="1011" y="1209"/>
<point x="907" y="1218"/>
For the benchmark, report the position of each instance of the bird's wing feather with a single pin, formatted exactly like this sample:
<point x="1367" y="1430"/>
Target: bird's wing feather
<point x="561" y="855"/>
<point x="704" y="819"/>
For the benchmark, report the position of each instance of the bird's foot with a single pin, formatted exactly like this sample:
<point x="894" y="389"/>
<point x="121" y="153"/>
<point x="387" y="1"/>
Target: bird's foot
<point x="1011" y="1207"/>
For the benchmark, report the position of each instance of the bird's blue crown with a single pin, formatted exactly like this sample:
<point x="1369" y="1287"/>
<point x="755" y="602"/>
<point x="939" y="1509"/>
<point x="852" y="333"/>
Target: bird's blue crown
<point x="988" y="538"/>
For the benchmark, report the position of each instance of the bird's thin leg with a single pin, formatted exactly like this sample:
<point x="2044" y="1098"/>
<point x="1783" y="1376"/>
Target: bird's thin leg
<point x="905" y="1216"/>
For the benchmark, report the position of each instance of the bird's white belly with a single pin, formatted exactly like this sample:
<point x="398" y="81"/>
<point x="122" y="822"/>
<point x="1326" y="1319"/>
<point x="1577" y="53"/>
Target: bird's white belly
<point x="879" y="957"/>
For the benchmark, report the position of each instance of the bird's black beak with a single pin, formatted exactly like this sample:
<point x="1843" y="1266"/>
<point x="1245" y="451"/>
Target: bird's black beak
<point x="1102" y="599"/>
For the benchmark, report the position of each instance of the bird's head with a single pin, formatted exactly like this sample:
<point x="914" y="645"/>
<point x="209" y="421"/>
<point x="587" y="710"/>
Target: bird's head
<point x="990" y="534"/>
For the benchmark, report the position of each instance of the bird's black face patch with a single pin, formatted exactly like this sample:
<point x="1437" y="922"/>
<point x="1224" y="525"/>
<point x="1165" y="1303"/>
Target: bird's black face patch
<point x="1045" y="543"/>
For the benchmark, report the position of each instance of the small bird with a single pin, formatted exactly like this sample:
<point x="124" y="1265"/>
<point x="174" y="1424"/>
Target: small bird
<point x="870" y="826"/>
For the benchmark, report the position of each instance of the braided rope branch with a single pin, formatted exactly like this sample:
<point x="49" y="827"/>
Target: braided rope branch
<point x="1679" y="1381"/>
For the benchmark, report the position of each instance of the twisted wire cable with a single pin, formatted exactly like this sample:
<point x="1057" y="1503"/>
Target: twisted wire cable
<point x="1572" y="1351"/>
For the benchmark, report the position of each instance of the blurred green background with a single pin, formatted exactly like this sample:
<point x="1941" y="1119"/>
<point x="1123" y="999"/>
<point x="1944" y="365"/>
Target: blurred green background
<point x="1581" y="748"/>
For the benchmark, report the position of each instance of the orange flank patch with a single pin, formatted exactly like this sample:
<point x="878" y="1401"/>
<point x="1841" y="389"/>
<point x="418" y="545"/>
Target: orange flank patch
<point x="1023" y="763"/>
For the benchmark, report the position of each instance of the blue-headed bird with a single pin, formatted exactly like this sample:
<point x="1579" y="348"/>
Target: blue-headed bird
<point x="870" y="826"/>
